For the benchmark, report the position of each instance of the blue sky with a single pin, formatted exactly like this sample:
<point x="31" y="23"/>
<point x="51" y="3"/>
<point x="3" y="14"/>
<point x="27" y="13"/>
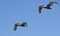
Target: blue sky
<point x="45" y="24"/>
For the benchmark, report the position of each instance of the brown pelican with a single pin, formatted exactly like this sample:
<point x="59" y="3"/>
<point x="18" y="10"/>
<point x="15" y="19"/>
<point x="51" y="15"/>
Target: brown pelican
<point x="47" y="6"/>
<point x="24" y="24"/>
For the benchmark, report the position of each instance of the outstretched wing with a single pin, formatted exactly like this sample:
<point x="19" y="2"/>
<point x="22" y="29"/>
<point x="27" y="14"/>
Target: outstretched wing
<point x="40" y="9"/>
<point x="15" y="27"/>
<point x="50" y="3"/>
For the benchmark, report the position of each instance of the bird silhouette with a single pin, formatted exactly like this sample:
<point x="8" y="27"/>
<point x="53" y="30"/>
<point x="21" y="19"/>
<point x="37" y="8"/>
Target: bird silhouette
<point x="48" y="6"/>
<point x="24" y="24"/>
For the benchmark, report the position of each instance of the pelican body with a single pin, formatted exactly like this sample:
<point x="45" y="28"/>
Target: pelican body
<point x="24" y="24"/>
<point x="48" y="6"/>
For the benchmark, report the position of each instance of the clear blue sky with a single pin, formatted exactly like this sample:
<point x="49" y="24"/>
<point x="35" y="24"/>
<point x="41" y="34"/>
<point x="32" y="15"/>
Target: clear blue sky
<point x="45" y="24"/>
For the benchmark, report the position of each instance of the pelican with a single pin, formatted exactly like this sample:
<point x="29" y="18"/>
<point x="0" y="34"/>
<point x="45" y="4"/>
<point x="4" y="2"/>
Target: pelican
<point x="24" y="24"/>
<point x="48" y="6"/>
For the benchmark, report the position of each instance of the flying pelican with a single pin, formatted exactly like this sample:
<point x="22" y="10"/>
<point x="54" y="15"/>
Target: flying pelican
<point x="48" y="6"/>
<point x="24" y="24"/>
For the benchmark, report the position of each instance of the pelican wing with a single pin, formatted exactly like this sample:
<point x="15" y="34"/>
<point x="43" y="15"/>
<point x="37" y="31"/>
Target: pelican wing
<point x="15" y="27"/>
<point x="50" y="3"/>
<point x="40" y="8"/>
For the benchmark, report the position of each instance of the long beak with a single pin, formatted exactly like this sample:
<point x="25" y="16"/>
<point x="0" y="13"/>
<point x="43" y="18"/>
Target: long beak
<point x="56" y="2"/>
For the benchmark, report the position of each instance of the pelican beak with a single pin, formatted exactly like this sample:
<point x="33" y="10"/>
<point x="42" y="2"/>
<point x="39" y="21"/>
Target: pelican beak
<point x="56" y="2"/>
